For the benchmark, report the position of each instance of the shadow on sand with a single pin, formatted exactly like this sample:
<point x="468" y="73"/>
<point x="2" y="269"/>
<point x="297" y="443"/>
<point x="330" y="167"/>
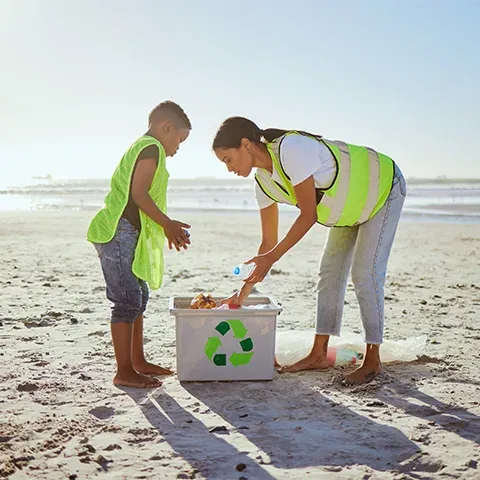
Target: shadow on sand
<point x="289" y="424"/>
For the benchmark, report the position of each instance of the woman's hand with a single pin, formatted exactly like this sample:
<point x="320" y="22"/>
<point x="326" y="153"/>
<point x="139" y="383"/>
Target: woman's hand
<point x="233" y="299"/>
<point x="263" y="264"/>
<point x="239" y="297"/>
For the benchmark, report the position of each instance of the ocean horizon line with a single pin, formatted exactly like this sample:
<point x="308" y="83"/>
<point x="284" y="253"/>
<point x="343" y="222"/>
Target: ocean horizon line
<point x="411" y="178"/>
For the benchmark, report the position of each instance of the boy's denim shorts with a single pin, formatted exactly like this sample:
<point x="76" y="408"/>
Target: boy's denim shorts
<point x="128" y="293"/>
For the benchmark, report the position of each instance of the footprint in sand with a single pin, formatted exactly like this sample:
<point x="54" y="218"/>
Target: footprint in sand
<point x="27" y="387"/>
<point x="102" y="413"/>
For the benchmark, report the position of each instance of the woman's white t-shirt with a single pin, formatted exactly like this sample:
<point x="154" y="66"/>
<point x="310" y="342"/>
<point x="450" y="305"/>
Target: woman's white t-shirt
<point x="302" y="157"/>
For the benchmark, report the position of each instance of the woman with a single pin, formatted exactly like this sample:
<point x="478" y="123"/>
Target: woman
<point x="355" y="190"/>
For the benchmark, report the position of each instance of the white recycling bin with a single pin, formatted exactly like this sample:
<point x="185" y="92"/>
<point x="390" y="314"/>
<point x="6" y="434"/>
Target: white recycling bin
<point x="225" y="344"/>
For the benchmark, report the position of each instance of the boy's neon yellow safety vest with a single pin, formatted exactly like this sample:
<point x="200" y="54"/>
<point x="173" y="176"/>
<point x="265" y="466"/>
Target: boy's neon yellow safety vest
<point x="148" y="260"/>
<point x="360" y="189"/>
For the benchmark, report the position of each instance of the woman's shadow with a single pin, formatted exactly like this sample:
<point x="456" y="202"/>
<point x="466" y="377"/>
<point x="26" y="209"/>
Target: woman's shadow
<point x="452" y="418"/>
<point x="292" y="426"/>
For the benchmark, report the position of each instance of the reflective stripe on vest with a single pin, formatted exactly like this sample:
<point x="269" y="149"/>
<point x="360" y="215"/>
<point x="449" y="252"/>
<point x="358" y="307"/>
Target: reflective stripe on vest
<point x="148" y="260"/>
<point x="279" y="195"/>
<point x="363" y="183"/>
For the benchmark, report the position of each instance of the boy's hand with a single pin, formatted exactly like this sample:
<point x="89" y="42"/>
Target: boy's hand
<point x="176" y="234"/>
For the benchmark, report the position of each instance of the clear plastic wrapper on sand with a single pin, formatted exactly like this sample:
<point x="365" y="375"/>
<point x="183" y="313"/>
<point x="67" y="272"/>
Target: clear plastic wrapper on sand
<point x="292" y="346"/>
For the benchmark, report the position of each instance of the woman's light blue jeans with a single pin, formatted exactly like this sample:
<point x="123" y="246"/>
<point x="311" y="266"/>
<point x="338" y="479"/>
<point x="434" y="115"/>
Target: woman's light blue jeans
<point x="365" y="249"/>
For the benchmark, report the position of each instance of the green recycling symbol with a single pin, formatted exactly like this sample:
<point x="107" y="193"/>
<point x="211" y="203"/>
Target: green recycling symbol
<point x="236" y="358"/>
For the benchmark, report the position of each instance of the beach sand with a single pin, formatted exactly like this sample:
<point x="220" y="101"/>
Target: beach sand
<point x="61" y="417"/>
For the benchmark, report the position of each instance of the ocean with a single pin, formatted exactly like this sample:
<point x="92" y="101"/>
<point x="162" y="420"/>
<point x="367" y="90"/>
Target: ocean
<point x="427" y="200"/>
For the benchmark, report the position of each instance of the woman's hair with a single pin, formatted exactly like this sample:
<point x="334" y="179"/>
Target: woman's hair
<point x="233" y="129"/>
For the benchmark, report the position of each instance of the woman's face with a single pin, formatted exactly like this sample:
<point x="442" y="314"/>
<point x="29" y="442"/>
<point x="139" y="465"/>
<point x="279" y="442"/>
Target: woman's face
<point x="238" y="160"/>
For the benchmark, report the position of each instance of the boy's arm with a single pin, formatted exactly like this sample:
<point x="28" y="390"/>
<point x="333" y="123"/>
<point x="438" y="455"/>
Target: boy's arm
<point x="142" y="179"/>
<point x="141" y="182"/>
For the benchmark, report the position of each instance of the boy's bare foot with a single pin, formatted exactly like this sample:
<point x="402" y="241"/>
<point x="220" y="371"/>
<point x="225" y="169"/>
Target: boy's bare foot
<point x="150" y="369"/>
<point x="364" y="374"/>
<point x="135" y="380"/>
<point x="310" y="362"/>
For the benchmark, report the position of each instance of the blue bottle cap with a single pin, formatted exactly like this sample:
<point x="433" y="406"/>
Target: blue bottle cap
<point x="236" y="271"/>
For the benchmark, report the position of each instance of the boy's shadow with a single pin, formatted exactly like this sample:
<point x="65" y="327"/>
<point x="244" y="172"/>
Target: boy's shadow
<point x="208" y="453"/>
<point x="295" y="426"/>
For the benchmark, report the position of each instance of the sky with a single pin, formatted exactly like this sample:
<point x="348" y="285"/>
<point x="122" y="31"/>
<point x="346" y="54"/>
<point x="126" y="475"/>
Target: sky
<point x="78" y="79"/>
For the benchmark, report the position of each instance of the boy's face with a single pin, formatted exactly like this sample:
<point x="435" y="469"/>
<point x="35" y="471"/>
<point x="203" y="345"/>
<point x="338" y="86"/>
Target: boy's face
<point x="172" y="137"/>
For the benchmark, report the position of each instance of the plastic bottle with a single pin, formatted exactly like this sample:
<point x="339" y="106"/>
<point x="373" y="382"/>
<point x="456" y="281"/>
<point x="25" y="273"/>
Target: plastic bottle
<point x="243" y="270"/>
<point x="342" y="356"/>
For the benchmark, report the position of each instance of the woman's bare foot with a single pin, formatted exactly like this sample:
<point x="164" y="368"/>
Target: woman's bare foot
<point x="150" y="369"/>
<point x="364" y="374"/>
<point x="135" y="380"/>
<point x="370" y="368"/>
<point x="310" y="362"/>
<point x="315" y="360"/>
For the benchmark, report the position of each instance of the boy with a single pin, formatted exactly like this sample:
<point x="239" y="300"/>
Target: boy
<point x="129" y="234"/>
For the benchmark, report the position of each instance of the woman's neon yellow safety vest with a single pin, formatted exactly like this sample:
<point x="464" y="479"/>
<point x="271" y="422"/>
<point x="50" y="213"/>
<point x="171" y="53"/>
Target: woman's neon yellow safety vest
<point x="360" y="189"/>
<point x="148" y="260"/>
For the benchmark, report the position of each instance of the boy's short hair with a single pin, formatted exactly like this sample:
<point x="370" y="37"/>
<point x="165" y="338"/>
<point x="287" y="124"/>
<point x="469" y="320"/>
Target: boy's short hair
<point x="173" y="112"/>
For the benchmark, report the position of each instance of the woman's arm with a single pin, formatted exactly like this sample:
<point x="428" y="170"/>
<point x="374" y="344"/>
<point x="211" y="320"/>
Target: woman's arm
<point x="306" y="200"/>
<point x="269" y="221"/>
